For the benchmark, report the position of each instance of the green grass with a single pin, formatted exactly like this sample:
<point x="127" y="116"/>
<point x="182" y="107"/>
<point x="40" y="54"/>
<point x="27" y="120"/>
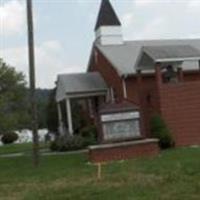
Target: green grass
<point x="173" y="175"/>
<point x="19" y="148"/>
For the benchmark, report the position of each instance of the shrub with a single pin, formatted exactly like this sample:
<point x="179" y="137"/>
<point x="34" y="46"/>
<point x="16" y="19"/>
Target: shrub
<point x="9" y="138"/>
<point x="68" y="143"/>
<point x="89" y="134"/>
<point x="54" y="146"/>
<point x="160" y="130"/>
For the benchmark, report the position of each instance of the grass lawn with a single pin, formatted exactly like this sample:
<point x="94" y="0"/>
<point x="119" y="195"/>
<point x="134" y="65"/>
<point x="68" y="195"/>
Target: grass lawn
<point x="19" y="148"/>
<point x="173" y="175"/>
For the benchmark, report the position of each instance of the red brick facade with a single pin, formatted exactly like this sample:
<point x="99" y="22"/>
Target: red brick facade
<point x="124" y="151"/>
<point x="178" y="103"/>
<point x="104" y="67"/>
<point x="180" y="107"/>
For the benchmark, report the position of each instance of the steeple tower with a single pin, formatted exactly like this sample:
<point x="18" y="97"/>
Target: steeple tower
<point x="108" y="26"/>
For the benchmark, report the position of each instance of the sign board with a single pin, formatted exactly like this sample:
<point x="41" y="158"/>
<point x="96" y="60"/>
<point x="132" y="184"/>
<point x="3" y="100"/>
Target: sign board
<point x="120" y="125"/>
<point x="120" y="116"/>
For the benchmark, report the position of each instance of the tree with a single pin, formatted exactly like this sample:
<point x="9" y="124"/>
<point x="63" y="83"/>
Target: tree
<point x="52" y="115"/>
<point x="13" y="99"/>
<point x="42" y="99"/>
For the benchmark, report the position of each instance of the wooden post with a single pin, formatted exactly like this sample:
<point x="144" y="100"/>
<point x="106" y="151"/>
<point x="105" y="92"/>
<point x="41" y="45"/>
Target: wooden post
<point x="69" y="116"/>
<point x="59" y="113"/>
<point x="60" y="122"/>
<point x="32" y="83"/>
<point x="99" y="171"/>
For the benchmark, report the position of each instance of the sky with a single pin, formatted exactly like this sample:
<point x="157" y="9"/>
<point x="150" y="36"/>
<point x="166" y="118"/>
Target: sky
<point x="64" y="30"/>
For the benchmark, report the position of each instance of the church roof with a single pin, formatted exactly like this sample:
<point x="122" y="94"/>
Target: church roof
<point x="125" y="57"/>
<point x="122" y="106"/>
<point x="107" y="15"/>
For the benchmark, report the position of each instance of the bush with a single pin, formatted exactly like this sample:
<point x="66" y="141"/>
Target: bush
<point x="9" y="138"/>
<point x="87" y="136"/>
<point x="54" y="146"/>
<point x="90" y="135"/>
<point x="68" y="143"/>
<point x="160" y="130"/>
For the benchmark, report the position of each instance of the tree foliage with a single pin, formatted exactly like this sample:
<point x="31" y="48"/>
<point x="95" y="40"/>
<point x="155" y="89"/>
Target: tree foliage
<point x="9" y="138"/>
<point x="42" y="99"/>
<point x="52" y="115"/>
<point x="13" y="99"/>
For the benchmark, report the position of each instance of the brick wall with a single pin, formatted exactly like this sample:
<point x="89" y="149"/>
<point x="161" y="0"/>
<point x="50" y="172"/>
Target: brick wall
<point x="104" y="67"/>
<point x="192" y="76"/>
<point x="179" y="104"/>
<point x="123" y="151"/>
<point x="180" y="107"/>
<point x="146" y="96"/>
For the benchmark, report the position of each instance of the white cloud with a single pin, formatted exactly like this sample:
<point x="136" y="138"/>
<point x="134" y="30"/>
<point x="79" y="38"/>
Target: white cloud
<point x="127" y="19"/>
<point x="153" y="29"/>
<point x="49" y="62"/>
<point x="145" y="2"/>
<point x="194" y="3"/>
<point x="158" y="19"/>
<point x="12" y="17"/>
<point x="194" y="6"/>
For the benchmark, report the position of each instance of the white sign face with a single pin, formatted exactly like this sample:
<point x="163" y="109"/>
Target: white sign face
<point x="120" y="116"/>
<point x="121" y="125"/>
<point x="121" y="129"/>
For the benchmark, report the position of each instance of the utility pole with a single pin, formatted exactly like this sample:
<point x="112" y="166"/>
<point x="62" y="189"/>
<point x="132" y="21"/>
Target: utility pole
<point x="32" y="83"/>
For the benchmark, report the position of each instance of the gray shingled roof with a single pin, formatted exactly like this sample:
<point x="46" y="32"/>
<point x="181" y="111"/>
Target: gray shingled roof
<point x="172" y="53"/>
<point x="68" y="84"/>
<point x="125" y="57"/>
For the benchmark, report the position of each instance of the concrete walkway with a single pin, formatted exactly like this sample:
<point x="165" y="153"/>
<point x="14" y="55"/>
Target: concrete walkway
<point x="13" y="155"/>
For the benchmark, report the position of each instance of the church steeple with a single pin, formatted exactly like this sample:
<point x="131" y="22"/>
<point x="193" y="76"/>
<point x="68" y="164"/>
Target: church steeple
<point x="108" y="26"/>
<point x="107" y="15"/>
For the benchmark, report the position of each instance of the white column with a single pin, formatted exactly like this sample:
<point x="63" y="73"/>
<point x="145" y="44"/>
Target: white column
<point x="69" y="116"/>
<point x="124" y="88"/>
<point x="59" y="113"/>
<point x="112" y="95"/>
<point x="60" y="123"/>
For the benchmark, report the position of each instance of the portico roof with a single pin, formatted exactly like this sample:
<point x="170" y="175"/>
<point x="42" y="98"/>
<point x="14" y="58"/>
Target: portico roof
<point x="80" y="85"/>
<point x="172" y="53"/>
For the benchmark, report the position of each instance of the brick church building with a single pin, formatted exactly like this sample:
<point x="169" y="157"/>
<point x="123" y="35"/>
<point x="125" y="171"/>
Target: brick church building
<point x="155" y="76"/>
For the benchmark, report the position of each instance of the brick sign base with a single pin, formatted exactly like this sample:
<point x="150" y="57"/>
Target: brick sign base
<point x="123" y="151"/>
